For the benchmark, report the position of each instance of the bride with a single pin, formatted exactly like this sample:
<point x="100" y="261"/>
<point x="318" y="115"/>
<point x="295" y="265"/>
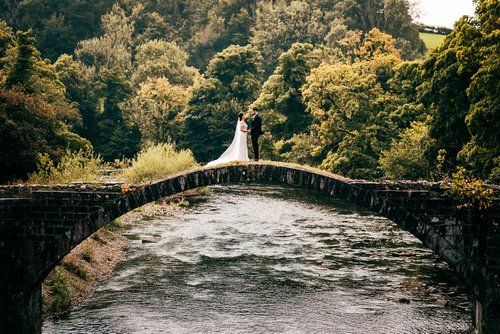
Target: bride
<point x="238" y="150"/>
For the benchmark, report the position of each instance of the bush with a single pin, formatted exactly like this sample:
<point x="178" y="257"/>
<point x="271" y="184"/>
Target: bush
<point x="468" y="190"/>
<point x="407" y="158"/>
<point x="60" y="298"/>
<point x="87" y="254"/>
<point x="157" y="162"/>
<point x="76" y="268"/>
<point x="81" y="166"/>
<point x="28" y="127"/>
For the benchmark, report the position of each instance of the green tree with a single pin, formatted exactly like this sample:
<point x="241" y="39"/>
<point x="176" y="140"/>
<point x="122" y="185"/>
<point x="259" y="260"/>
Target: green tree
<point x="223" y="23"/>
<point x="81" y="90"/>
<point x="377" y="44"/>
<point x="117" y="137"/>
<point x="281" y="99"/>
<point x="280" y="25"/>
<point x="58" y="24"/>
<point x="25" y="68"/>
<point x="390" y="16"/>
<point x="150" y="25"/>
<point x="482" y="59"/>
<point x="460" y="86"/>
<point x="156" y="109"/>
<point x="28" y="126"/>
<point x="158" y="58"/>
<point x="114" y="48"/>
<point x="232" y="80"/>
<point x="6" y="41"/>
<point x="443" y="91"/>
<point x="107" y="61"/>
<point x="20" y="71"/>
<point x="350" y="107"/>
<point x="408" y="157"/>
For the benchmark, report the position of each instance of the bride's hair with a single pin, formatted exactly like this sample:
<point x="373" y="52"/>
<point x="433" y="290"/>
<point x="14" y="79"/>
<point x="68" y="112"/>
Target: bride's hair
<point x="240" y="115"/>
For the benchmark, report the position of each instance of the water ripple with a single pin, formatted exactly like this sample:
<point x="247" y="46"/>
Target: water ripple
<point x="262" y="259"/>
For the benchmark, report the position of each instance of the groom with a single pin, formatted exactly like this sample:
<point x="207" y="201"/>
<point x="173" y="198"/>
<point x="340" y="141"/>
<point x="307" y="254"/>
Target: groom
<point x="255" y="132"/>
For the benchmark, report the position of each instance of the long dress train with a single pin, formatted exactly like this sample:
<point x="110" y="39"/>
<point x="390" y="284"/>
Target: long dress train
<point x="238" y="150"/>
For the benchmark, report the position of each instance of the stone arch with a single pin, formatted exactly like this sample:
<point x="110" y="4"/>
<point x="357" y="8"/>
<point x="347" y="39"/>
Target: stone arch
<point x="48" y="222"/>
<point x="369" y="195"/>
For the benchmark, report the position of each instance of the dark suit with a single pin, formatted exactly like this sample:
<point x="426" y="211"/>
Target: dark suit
<point x="255" y="132"/>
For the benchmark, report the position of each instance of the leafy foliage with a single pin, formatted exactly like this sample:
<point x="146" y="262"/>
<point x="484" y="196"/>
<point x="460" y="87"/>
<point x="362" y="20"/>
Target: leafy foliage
<point x="281" y="24"/>
<point x="24" y="68"/>
<point x="157" y="108"/>
<point x="220" y="25"/>
<point x="350" y="108"/>
<point x="390" y="16"/>
<point x="28" y="126"/>
<point x="76" y="166"/>
<point x="281" y="99"/>
<point x="157" y="58"/>
<point x="113" y="48"/>
<point x="117" y="137"/>
<point x="158" y="161"/>
<point x="469" y="190"/>
<point x="407" y="158"/>
<point x="58" y="24"/>
<point x="338" y="92"/>
<point x="60" y="298"/>
<point x="466" y="68"/>
<point x="230" y="83"/>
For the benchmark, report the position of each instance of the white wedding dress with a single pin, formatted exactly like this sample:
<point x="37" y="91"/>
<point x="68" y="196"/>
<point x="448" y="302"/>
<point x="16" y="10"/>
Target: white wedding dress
<point x="238" y="150"/>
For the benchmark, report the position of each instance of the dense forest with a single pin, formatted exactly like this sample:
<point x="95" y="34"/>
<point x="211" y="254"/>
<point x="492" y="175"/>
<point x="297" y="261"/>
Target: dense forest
<point x="344" y="85"/>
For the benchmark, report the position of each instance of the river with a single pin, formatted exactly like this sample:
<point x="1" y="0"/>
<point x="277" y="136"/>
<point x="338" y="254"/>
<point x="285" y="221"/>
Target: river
<point x="270" y="259"/>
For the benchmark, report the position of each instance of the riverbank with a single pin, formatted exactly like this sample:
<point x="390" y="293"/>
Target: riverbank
<point x="76" y="277"/>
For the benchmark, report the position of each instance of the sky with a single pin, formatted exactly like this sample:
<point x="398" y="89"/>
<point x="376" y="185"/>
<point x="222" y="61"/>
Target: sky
<point x="443" y="13"/>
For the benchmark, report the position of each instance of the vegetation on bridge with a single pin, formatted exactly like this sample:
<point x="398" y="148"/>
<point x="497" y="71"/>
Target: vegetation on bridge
<point x="152" y="163"/>
<point x="342" y="85"/>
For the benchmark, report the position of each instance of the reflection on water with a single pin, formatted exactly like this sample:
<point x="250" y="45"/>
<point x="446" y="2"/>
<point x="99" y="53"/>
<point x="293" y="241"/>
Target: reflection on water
<point x="267" y="259"/>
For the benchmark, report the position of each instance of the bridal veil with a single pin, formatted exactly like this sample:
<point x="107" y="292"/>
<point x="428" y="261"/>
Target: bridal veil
<point x="237" y="151"/>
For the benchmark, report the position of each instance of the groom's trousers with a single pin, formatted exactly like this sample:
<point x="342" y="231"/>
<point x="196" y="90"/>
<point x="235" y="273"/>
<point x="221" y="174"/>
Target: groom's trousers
<point x="255" y="145"/>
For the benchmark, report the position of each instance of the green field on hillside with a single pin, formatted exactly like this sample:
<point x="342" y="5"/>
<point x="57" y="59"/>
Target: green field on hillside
<point x="432" y="41"/>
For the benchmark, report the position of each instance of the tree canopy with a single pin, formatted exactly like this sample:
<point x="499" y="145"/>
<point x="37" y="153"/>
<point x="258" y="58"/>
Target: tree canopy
<point x="343" y="85"/>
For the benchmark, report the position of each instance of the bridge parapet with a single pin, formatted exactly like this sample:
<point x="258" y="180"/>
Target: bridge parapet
<point x="27" y="191"/>
<point x="43" y="223"/>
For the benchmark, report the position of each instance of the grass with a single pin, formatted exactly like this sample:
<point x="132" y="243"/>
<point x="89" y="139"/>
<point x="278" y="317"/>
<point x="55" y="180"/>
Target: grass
<point x="153" y="163"/>
<point x="97" y="236"/>
<point x="76" y="268"/>
<point x="87" y="254"/>
<point x="60" y="297"/>
<point x="157" y="162"/>
<point x="82" y="166"/>
<point x="432" y="41"/>
<point x="74" y="279"/>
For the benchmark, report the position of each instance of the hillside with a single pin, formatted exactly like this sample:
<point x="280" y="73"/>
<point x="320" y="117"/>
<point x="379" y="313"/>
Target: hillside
<point x="432" y="41"/>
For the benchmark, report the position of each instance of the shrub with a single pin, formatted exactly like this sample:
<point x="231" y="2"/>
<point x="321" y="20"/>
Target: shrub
<point x="81" y="166"/>
<point x="158" y="161"/>
<point x="468" y="190"/>
<point x="98" y="237"/>
<point x="87" y="254"/>
<point x="28" y="126"/>
<point x="60" y="298"/>
<point x="407" y="158"/>
<point x="76" y="269"/>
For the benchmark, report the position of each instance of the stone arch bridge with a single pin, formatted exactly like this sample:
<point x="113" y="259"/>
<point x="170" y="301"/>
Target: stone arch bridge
<point x="41" y="224"/>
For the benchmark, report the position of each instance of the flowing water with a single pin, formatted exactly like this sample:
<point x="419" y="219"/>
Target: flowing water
<point x="268" y="259"/>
